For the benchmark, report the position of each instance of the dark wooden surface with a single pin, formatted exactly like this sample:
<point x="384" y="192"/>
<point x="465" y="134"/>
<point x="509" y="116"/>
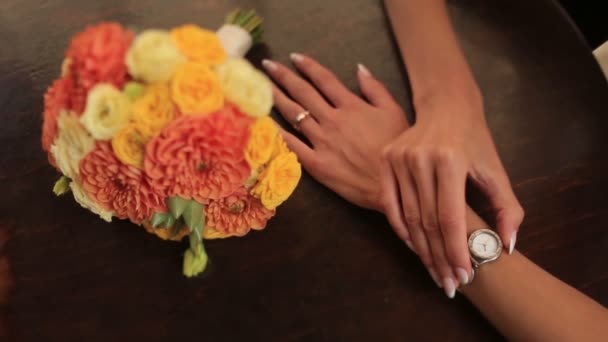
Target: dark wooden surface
<point x="323" y="270"/>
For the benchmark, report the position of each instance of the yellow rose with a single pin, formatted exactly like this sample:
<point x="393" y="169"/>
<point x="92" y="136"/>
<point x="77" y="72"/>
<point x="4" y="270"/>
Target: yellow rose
<point x="246" y="87"/>
<point x="129" y="146"/>
<point x="107" y="111"/>
<point x="86" y="202"/>
<point x="280" y="147"/>
<point x="261" y="144"/>
<point x="72" y="144"/>
<point x="196" y="89"/>
<point x="154" y="110"/>
<point x="198" y="44"/>
<point x="279" y="180"/>
<point x="153" y="56"/>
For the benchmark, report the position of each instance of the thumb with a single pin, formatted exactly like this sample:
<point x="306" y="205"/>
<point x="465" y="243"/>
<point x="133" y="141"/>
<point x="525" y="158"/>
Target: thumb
<point x="509" y="213"/>
<point x="375" y="92"/>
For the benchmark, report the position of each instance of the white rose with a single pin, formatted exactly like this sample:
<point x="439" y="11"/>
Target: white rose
<point x="246" y="87"/>
<point x="86" y="202"/>
<point x="107" y="111"/>
<point x="153" y="56"/>
<point x="72" y="144"/>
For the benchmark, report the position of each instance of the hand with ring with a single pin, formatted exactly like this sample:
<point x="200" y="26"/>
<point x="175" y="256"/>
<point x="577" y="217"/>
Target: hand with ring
<point x="347" y="133"/>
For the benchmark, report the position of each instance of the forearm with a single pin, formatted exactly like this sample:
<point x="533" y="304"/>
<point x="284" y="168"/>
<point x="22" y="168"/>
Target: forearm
<point x="525" y="303"/>
<point x="435" y="62"/>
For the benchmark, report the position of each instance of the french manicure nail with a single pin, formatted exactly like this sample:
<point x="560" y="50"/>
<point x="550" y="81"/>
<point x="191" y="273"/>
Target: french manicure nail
<point x="269" y="65"/>
<point x="512" y="243"/>
<point x="449" y="287"/>
<point x="435" y="277"/>
<point x="462" y="275"/>
<point x="409" y="245"/>
<point x="296" y="57"/>
<point x="363" y="70"/>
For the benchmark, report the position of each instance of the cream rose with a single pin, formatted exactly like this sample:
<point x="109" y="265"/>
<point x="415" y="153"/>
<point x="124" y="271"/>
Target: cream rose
<point x="72" y="144"/>
<point x="86" y="202"/>
<point x="153" y="56"/>
<point x="246" y="87"/>
<point x="107" y="111"/>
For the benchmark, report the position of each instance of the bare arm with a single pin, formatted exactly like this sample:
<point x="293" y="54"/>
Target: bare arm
<point x="435" y="62"/>
<point x="525" y="303"/>
<point x="428" y="164"/>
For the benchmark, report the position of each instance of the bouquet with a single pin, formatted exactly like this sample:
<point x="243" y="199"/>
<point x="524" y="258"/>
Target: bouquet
<point x="170" y="130"/>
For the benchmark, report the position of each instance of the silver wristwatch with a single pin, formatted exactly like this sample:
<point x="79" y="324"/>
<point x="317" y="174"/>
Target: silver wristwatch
<point x="484" y="246"/>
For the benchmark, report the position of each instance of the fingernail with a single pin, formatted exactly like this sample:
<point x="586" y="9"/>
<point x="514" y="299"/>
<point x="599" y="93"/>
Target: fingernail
<point x="449" y="287"/>
<point x="512" y="243"/>
<point x="435" y="277"/>
<point x="363" y="70"/>
<point x="409" y="245"/>
<point x="296" y="57"/>
<point x="269" y="65"/>
<point x="463" y="276"/>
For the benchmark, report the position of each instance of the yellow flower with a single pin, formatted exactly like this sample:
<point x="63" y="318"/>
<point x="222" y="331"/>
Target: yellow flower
<point x="261" y="144"/>
<point x="154" y="110"/>
<point x="279" y="180"/>
<point x="71" y="145"/>
<point x="86" y="202"/>
<point x="246" y="87"/>
<point x="196" y="89"/>
<point x="129" y="146"/>
<point x="198" y="44"/>
<point x="107" y="111"/>
<point x="153" y="56"/>
<point x="280" y="147"/>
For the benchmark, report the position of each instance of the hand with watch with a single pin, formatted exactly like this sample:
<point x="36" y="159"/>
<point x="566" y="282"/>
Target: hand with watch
<point x="485" y="247"/>
<point x="524" y="302"/>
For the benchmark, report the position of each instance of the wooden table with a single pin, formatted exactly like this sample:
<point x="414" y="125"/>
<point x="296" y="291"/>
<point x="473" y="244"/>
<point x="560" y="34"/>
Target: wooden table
<point x="323" y="269"/>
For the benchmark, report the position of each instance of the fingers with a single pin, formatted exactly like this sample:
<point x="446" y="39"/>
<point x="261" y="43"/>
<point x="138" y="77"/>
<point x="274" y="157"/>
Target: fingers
<point x="305" y="154"/>
<point x="324" y="80"/>
<point x="375" y="92"/>
<point x="300" y="90"/>
<point x="411" y="211"/>
<point x="509" y="213"/>
<point x="290" y="110"/>
<point x="390" y="201"/>
<point x="424" y="175"/>
<point x="451" y="205"/>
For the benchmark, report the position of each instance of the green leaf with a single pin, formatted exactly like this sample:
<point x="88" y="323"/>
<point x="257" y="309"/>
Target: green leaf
<point x="159" y="219"/>
<point x="177" y="205"/>
<point x="170" y="222"/>
<point x="62" y="186"/>
<point x="133" y="90"/>
<point x="193" y="215"/>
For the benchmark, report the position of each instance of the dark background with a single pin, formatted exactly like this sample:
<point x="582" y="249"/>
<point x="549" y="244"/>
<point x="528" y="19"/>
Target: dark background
<point x="591" y="16"/>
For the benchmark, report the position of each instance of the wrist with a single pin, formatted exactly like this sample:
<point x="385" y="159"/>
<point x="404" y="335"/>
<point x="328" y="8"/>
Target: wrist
<point x="462" y="99"/>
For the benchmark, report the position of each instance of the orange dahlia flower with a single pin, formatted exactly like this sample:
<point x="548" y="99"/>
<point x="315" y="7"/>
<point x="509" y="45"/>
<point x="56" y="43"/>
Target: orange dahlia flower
<point x="235" y="215"/>
<point x="120" y="188"/>
<point x="200" y="157"/>
<point x="56" y="99"/>
<point x="98" y="55"/>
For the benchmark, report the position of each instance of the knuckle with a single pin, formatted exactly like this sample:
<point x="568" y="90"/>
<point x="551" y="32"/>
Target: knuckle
<point x="449" y="221"/>
<point x="445" y="156"/>
<point x="415" y="158"/>
<point x="431" y="227"/>
<point x="412" y="218"/>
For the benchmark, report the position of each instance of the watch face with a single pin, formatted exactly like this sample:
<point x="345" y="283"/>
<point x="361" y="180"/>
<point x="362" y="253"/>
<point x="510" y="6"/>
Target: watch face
<point x="485" y="244"/>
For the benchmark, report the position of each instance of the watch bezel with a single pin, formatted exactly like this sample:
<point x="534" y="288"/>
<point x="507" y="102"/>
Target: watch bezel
<point x="483" y="259"/>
